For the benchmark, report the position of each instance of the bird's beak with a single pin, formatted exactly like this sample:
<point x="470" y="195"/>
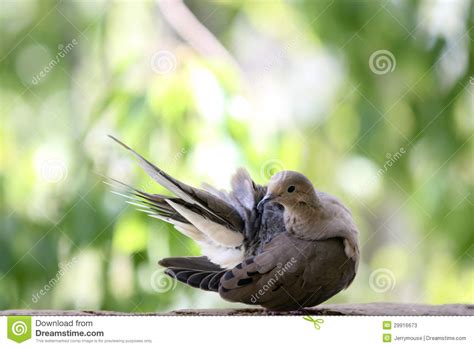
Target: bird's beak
<point x="268" y="198"/>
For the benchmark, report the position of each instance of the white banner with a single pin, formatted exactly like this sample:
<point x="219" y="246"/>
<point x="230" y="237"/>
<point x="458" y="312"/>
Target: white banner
<point x="242" y="331"/>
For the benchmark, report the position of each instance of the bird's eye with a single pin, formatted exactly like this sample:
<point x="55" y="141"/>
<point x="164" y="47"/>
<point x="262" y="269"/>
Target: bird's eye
<point x="291" y="188"/>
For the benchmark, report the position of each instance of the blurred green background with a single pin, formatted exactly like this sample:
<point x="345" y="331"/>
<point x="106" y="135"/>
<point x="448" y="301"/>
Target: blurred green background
<point x="373" y="100"/>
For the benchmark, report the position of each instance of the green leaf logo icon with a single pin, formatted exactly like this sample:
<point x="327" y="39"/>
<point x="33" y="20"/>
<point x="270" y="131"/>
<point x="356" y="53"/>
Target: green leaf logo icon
<point x="19" y="328"/>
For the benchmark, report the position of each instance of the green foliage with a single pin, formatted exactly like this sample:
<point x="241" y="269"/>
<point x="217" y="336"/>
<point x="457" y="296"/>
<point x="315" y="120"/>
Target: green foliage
<point x="396" y="147"/>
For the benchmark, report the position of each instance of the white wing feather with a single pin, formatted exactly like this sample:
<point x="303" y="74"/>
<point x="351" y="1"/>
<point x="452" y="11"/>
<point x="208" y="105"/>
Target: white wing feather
<point x="219" y="234"/>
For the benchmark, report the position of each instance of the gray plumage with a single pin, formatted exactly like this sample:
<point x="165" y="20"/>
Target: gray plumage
<point x="284" y="247"/>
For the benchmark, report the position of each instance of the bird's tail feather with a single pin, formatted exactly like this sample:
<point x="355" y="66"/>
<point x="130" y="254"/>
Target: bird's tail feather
<point x="197" y="272"/>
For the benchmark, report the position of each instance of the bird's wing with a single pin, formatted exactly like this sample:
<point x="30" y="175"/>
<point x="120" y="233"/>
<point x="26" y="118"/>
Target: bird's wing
<point x="197" y="213"/>
<point x="289" y="273"/>
<point x="213" y="245"/>
<point x="221" y="210"/>
<point x="156" y="206"/>
<point x="246" y="194"/>
<point x="245" y="190"/>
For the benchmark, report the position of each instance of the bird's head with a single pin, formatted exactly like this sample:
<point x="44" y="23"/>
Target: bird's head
<point x="289" y="188"/>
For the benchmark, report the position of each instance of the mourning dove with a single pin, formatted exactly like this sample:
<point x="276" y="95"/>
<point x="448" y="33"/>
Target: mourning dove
<point x="284" y="247"/>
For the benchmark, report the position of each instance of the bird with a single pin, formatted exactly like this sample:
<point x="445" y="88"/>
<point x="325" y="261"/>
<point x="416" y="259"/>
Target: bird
<point x="285" y="246"/>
